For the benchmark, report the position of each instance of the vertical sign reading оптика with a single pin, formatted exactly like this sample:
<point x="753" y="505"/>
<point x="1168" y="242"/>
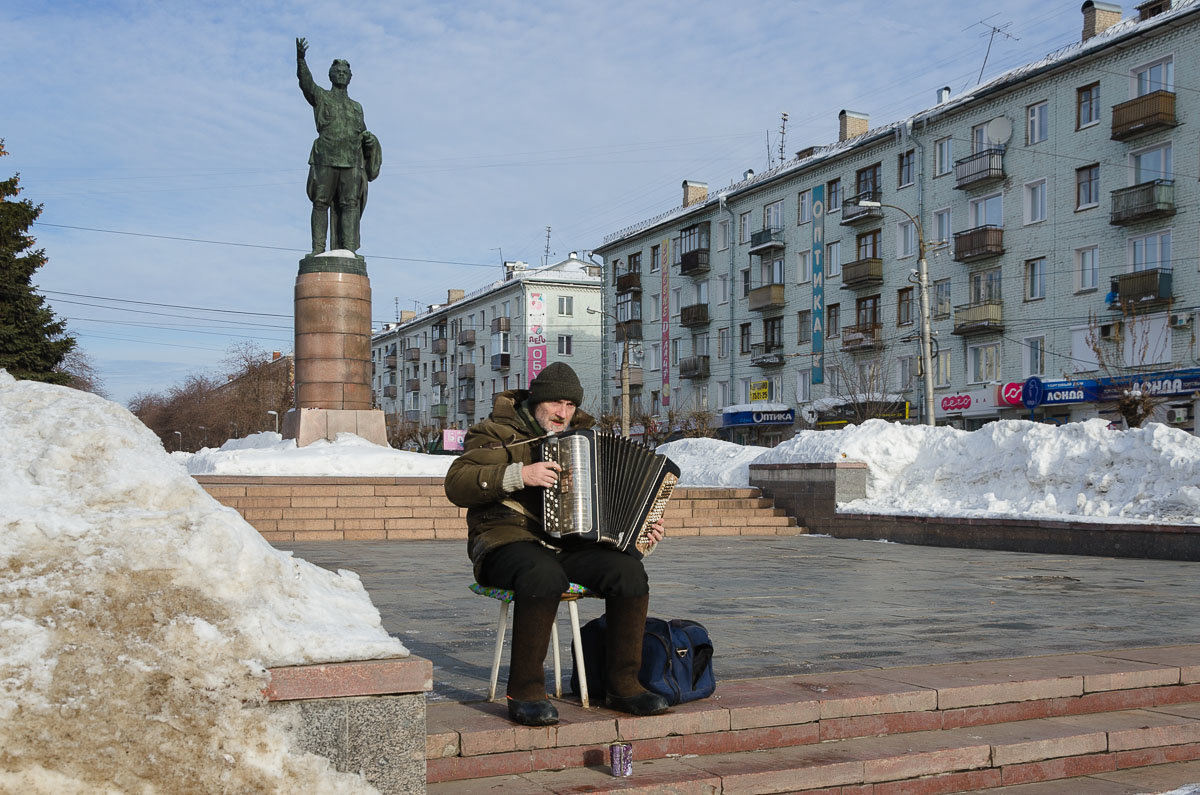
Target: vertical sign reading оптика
<point x="818" y="284"/>
<point x="664" y="253"/>
<point x="535" y="334"/>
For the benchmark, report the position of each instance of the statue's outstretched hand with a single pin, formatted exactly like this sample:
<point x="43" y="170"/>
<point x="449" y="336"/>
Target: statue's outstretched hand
<point x="301" y="47"/>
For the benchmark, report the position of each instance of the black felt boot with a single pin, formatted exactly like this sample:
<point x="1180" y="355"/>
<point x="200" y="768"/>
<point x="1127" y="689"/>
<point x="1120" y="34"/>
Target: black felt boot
<point x="532" y="622"/>
<point x="626" y="627"/>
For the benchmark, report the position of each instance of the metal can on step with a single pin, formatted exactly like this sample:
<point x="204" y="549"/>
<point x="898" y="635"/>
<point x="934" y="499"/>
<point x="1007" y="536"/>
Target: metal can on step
<point x="620" y="759"/>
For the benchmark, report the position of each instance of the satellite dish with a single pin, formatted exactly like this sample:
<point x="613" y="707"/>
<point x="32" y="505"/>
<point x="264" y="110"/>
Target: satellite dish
<point x="999" y="130"/>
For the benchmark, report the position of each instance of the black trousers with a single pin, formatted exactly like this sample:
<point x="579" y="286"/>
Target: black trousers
<point x="530" y="569"/>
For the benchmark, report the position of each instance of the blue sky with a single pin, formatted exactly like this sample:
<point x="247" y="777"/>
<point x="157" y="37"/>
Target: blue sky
<point x="496" y="119"/>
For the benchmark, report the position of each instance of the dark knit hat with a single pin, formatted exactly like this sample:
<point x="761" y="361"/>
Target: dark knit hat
<point x="557" y="382"/>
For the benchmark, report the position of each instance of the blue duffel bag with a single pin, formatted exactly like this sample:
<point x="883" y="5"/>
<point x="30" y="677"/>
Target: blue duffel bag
<point x="676" y="659"/>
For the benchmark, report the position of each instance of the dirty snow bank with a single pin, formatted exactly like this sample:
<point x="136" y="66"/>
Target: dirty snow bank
<point x="268" y="453"/>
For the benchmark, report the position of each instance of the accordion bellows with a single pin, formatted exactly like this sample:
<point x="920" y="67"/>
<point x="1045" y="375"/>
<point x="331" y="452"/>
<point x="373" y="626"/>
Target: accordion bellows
<point x="610" y="489"/>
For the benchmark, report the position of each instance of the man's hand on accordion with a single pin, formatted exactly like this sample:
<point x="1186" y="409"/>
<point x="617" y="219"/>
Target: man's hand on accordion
<point x="657" y="531"/>
<point x="543" y="473"/>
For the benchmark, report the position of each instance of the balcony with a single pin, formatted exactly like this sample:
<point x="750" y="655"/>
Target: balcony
<point x="1154" y="199"/>
<point x="1140" y="288"/>
<point x="439" y="345"/>
<point x="763" y="354"/>
<point x="439" y="410"/>
<point x="466" y="371"/>
<point x="694" y="263"/>
<point x="629" y="330"/>
<point x="412" y="354"/>
<point x="769" y="296"/>
<point x="866" y="272"/>
<point x="694" y="315"/>
<point x="412" y="415"/>
<point x="500" y="324"/>
<point x="440" y="378"/>
<point x="693" y="367"/>
<point x="467" y="406"/>
<point x="636" y="378"/>
<point x="466" y="336"/>
<point x="981" y="317"/>
<point x="389" y="361"/>
<point x="1145" y="114"/>
<point x="763" y="239"/>
<point x="978" y="243"/>
<point x="389" y="391"/>
<point x="862" y="337"/>
<point x="979" y="169"/>
<point x="412" y="385"/>
<point x="500" y="361"/>
<point x="853" y="214"/>
<point x="629" y="282"/>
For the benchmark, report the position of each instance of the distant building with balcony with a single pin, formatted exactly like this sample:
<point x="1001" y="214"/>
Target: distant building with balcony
<point x="441" y="367"/>
<point x="1049" y="204"/>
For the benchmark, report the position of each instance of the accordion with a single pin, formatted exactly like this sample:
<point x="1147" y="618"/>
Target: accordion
<point x="610" y="490"/>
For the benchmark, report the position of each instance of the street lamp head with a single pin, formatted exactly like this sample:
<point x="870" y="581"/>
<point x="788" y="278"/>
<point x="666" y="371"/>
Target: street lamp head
<point x="868" y="203"/>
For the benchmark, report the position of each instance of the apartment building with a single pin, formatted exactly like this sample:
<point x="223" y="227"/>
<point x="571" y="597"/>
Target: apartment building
<point x="440" y="368"/>
<point x="1051" y="206"/>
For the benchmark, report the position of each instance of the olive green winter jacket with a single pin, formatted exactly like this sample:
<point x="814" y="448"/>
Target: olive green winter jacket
<point x="475" y="480"/>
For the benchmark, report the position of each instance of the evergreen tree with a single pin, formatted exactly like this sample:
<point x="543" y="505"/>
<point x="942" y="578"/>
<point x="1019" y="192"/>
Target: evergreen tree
<point x="32" y="342"/>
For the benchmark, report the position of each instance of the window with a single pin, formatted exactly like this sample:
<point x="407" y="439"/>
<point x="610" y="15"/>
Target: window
<point x="773" y="333"/>
<point x="866" y="311"/>
<point x="1151" y="164"/>
<point x="1035" y="279"/>
<point x="1034" y="356"/>
<point x="833" y="320"/>
<point x="744" y="338"/>
<point x="904" y="168"/>
<point x="943" y="161"/>
<point x="941" y="298"/>
<point x="866" y="180"/>
<point x="1150" y="251"/>
<point x="804" y="386"/>
<point x="904" y="306"/>
<point x="676" y="301"/>
<point x="803" y="266"/>
<point x="905" y="369"/>
<point x="702" y="292"/>
<point x="941" y="225"/>
<point x="773" y="215"/>
<point x="744" y="227"/>
<point x="804" y="326"/>
<point x="566" y="305"/>
<point x="985" y="286"/>
<point x="745" y="282"/>
<point x="983" y="362"/>
<point x="655" y="306"/>
<point x="564" y="344"/>
<point x="804" y="207"/>
<point x="1157" y="76"/>
<point x="1038" y="128"/>
<point x="941" y="368"/>
<point x="1087" y="106"/>
<point x="1087" y="186"/>
<point x="723" y="235"/>
<point x="1035" y="201"/>
<point x="694" y="238"/>
<point x="723" y="287"/>
<point x="722" y="343"/>
<point x="655" y="356"/>
<point x="654" y="263"/>
<point x="634" y="261"/>
<point x="868" y="245"/>
<point x="833" y="259"/>
<point x="1087" y="268"/>
<point x="675" y="352"/>
<point x="744" y="390"/>
<point x="906" y="239"/>
<point x="979" y="139"/>
<point x="723" y="387"/>
<point x="987" y="210"/>
<point x="700" y="344"/>
<point x="833" y="201"/>
<point x="628" y="308"/>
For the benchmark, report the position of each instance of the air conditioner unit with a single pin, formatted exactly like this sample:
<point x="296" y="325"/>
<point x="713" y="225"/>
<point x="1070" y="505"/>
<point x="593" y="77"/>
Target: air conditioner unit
<point x="1177" y="416"/>
<point x="1110" y="331"/>
<point x="1180" y="319"/>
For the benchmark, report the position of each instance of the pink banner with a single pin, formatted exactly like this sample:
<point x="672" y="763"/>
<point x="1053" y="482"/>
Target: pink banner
<point x="535" y="337"/>
<point x="665" y="264"/>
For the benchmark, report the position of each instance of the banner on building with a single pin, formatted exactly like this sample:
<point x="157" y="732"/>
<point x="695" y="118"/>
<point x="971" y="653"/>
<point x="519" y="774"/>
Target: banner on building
<point x="818" y="284"/>
<point x="664" y="253"/>
<point x="535" y="334"/>
<point x="760" y="390"/>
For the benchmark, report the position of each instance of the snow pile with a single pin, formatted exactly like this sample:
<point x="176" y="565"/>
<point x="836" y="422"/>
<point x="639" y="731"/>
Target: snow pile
<point x="268" y="453"/>
<point x="711" y="462"/>
<point x="137" y="615"/>
<point x="1015" y="468"/>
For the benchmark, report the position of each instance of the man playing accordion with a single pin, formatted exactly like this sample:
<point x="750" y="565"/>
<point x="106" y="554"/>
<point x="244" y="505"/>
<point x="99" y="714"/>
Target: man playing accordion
<point x="498" y="481"/>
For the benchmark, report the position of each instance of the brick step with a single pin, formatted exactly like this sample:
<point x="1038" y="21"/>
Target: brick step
<point x="469" y="741"/>
<point x="1129" y="781"/>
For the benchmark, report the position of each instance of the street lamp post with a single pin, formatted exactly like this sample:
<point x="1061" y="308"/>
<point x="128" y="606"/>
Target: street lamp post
<point x="624" y="374"/>
<point x="923" y="292"/>
<point x="275" y="414"/>
<point x="178" y="441"/>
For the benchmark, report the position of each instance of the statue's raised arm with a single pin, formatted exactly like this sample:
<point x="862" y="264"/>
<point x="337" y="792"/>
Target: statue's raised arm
<point x="307" y="85"/>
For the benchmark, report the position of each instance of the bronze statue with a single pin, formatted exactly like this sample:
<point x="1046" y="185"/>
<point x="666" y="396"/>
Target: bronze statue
<point x="344" y="158"/>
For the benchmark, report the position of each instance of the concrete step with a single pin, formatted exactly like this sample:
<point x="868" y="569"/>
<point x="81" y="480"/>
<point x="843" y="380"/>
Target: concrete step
<point x="793" y="722"/>
<point x="1132" y="781"/>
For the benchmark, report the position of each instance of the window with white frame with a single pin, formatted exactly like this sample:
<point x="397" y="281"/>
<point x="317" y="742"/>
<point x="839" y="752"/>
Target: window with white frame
<point x="1034" y="355"/>
<point x="773" y="215"/>
<point x="941" y="368"/>
<point x="745" y="282"/>
<point x="804" y="386"/>
<point x="803" y="266"/>
<point x="979" y="139"/>
<point x="983" y="363"/>
<point x="943" y="160"/>
<point x="941" y="226"/>
<point x="905" y="168"/>
<point x="941" y="298"/>
<point x="1038" y="126"/>
<point x="804" y="207"/>
<point x="906" y="368"/>
<point x="1035" y="201"/>
<point x="1087" y="186"/>
<point x="655" y="356"/>
<point x="1151" y="164"/>
<point x="1087" y="106"/>
<point x="564" y="344"/>
<point x="833" y="196"/>
<point x="987" y="211"/>
<point x="1150" y="251"/>
<point x="723" y="235"/>
<point x="1087" y="268"/>
<point x="833" y="259"/>
<point x="1156" y="76"/>
<point x="722" y="343"/>
<point x="906" y="239"/>
<point x="1035" y="279"/>
<point x="723" y="391"/>
<point x="770" y="270"/>
<point x="700" y="344"/>
<point x="985" y="286"/>
<point x="629" y="307"/>
<point x="655" y="306"/>
<point x="702" y="291"/>
<point x="744" y="227"/>
<point x="723" y="288"/>
<point x="676" y="301"/>
<point x="566" y="305"/>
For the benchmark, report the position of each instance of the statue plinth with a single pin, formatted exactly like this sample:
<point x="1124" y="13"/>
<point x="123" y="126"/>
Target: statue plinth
<point x="333" y="352"/>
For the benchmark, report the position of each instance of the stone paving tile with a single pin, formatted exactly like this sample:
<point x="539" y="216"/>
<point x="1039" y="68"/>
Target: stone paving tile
<point x="1186" y="658"/>
<point x="1155" y="778"/>
<point x="1089" y="785"/>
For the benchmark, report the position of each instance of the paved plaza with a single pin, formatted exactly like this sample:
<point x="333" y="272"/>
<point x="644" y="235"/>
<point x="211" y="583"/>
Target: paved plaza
<point x="801" y="604"/>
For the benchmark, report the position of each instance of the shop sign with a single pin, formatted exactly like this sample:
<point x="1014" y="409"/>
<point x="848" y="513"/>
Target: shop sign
<point x="1009" y="394"/>
<point x="970" y="403"/>
<point x="759" y="390"/>
<point x="1056" y="393"/>
<point x="1176" y="382"/>
<point x="786" y="417"/>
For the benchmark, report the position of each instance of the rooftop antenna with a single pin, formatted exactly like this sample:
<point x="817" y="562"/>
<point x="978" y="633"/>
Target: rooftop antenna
<point x="546" y="256"/>
<point x="770" y="157"/>
<point x="501" y="250"/>
<point x="782" y="136"/>
<point x="992" y="31"/>
<point x="396" y="303"/>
